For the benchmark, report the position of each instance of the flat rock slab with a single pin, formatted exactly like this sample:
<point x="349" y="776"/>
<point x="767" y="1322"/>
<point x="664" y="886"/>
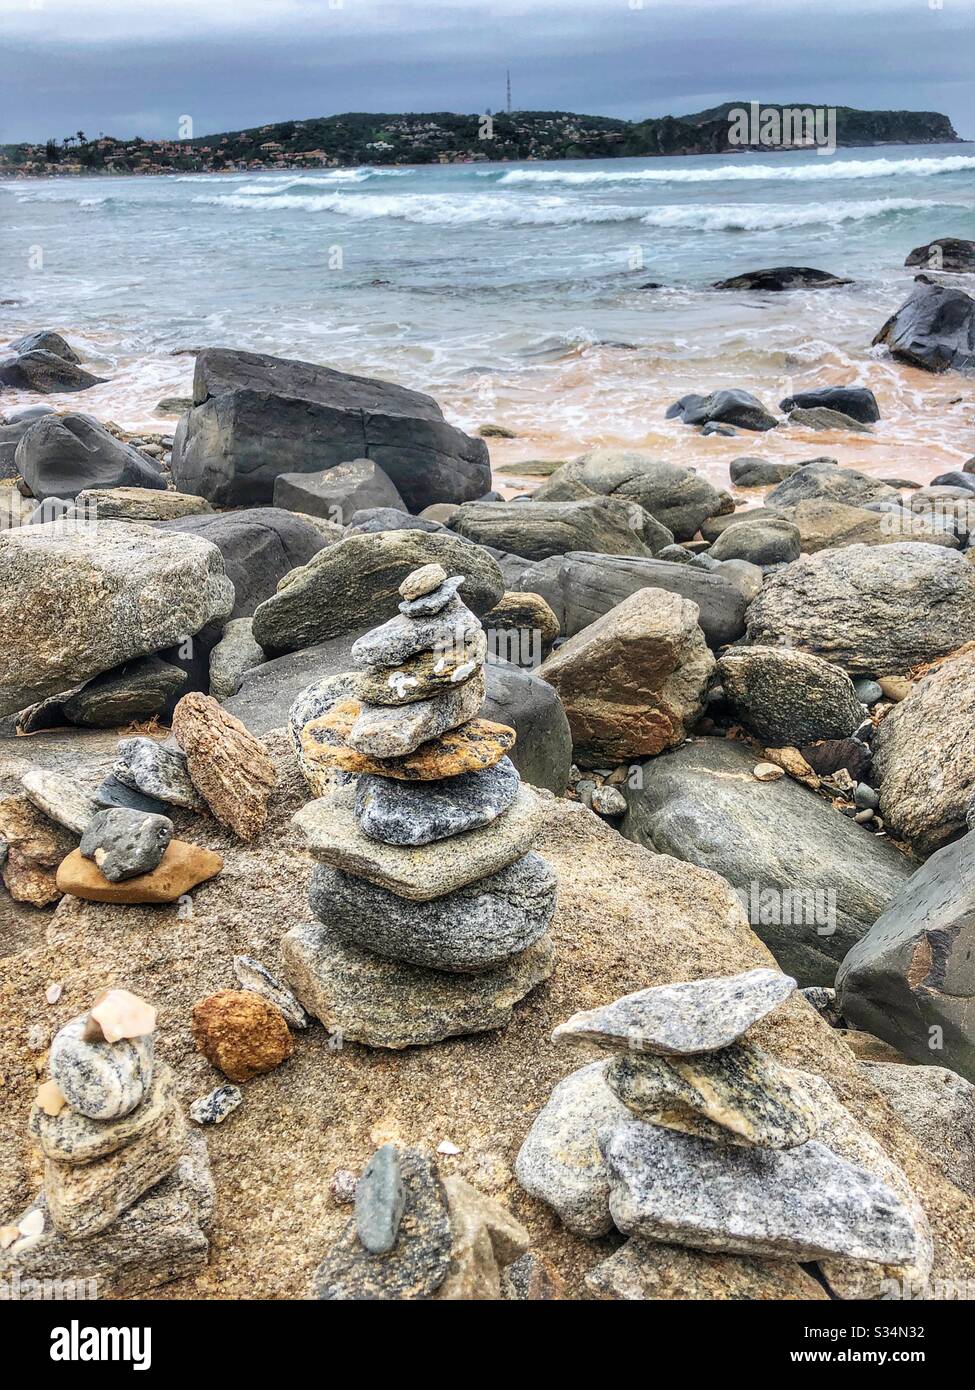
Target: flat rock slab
<point x="408" y="813"/>
<point x="477" y="744"/>
<point x="365" y="998"/>
<point x="141" y="504"/>
<point x="681" y="1019"/>
<point x="61" y="798"/>
<point x="417" y="1263"/>
<point x="391" y="731"/>
<point x="418" y="872"/>
<point x="70" y="1137"/>
<point x="804" y="1202"/>
<point x="643" y="1271"/>
<point x="470" y="929"/>
<point x="181" y="868"/>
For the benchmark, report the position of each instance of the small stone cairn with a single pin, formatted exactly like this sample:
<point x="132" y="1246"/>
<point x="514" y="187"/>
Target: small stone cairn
<point x="127" y="1192"/>
<point x="433" y="909"/>
<point x="693" y="1136"/>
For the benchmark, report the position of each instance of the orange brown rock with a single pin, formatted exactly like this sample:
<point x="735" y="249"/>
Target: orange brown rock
<point x="228" y="766"/>
<point x="35" y="848"/>
<point x="241" y="1034"/>
<point x="181" y="868"/>
<point x="476" y="745"/>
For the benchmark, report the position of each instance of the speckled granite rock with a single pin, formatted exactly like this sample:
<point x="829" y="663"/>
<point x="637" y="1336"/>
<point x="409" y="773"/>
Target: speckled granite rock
<point x="146" y="766"/>
<point x="241" y="1033"/>
<point x="418" y="872"/>
<point x="391" y="731"/>
<point x="737" y="1095"/>
<point x="61" y="798"/>
<point x="401" y="637"/>
<point x="125" y="843"/>
<point x="681" y="1019"/>
<point x="365" y="998"/>
<point x="74" y="1138"/>
<point x="417" y="813"/>
<point x="98" y="1079"/>
<point x="560" y="1161"/>
<point x="255" y="976"/>
<point x="789" y="697"/>
<point x="938" y="1107"/>
<point x="477" y="744"/>
<point x="214" y="1108"/>
<point x="648" y="1271"/>
<point x="226" y="763"/>
<point x="418" y="1262"/>
<point x="84" y="1199"/>
<point x="803" y="1202"/>
<point x="470" y="929"/>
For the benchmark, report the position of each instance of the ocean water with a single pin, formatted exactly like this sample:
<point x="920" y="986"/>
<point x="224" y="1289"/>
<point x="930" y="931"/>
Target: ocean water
<point x="516" y="294"/>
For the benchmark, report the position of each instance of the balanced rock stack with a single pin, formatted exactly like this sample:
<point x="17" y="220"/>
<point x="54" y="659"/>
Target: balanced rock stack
<point x="127" y="1192"/>
<point x="433" y="910"/>
<point x="416" y="1237"/>
<point x="693" y="1136"/>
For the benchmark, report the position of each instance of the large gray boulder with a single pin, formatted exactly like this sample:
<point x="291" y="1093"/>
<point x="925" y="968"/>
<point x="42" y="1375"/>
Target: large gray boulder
<point x="542" y="753"/>
<point x="824" y="524"/>
<point x="924" y="755"/>
<point x="337" y="493"/>
<point x="355" y="584"/>
<point x="788" y="697"/>
<point x="537" y="530"/>
<point x="259" y="545"/>
<point x="766" y="542"/>
<point x="911" y="980"/>
<point x="45" y="372"/>
<point x="825" y="478"/>
<point x="62" y="455"/>
<point x="679" y="498"/>
<point x="938" y="1107"/>
<point x="586" y="586"/>
<point x="255" y="417"/>
<point x="78" y="599"/>
<point x="933" y="329"/>
<point x="811" y="881"/>
<point x="874" y="610"/>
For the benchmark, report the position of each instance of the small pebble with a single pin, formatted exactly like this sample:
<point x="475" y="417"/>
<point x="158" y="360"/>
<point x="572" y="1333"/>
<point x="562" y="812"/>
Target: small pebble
<point x="38" y="1037"/>
<point x="609" y="802"/>
<point x="53" y="993"/>
<point x="446" y="1147"/>
<point x="379" y="1201"/>
<point x="868" y="692"/>
<point x="865" y="797"/>
<point x="862" y="817"/>
<point x="214" y="1108"/>
<point x="767" y="772"/>
<point x="343" y="1185"/>
<point x="422" y="581"/>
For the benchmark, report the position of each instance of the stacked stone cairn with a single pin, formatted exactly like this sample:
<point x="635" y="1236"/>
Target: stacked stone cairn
<point x="414" y="1236"/>
<point x="691" y="1135"/>
<point x="127" y="1194"/>
<point x="433" y="909"/>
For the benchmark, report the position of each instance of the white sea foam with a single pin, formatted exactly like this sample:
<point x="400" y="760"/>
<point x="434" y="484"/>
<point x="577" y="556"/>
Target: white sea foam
<point x="730" y="172"/>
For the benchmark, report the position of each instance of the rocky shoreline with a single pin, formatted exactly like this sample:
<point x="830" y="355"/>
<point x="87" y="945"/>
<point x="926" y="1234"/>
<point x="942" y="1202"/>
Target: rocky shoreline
<point x="338" y="794"/>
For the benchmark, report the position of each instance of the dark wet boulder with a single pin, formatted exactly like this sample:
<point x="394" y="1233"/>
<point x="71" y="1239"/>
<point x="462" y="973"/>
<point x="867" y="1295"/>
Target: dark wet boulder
<point x="256" y="417"/>
<point x="765" y="542"/>
<point x="730" y="407"/>
<point x="10" y="437"/>
<point x="45" y="372"/>
<point x="62" y="455"/>
<point x="857" y="402"/>
<point x="946" y="253"/>
<point x="933" y="329"/>
<point x="911" y="979"/>
<point x="46" y="340"/>
<point x="782" y="277"/>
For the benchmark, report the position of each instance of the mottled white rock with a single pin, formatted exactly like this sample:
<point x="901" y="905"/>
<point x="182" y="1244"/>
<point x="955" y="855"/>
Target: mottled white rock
<point x="99" y="1079"/>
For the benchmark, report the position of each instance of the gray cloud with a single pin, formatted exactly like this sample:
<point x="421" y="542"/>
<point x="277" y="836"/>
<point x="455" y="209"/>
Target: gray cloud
<point x="105" y="65"/>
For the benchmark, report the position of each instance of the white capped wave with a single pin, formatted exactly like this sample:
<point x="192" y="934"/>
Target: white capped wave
<point x="822" y="168"/>
<point x="456" y="210"/>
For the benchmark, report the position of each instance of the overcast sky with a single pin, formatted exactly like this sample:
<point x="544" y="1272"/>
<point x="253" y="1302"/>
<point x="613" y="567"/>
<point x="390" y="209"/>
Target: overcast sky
<point x="134" y="67"/>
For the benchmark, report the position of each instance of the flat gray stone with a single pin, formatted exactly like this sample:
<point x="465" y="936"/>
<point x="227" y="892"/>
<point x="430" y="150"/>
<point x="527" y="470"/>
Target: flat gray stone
<point x="560" y="1161"/>
<point x="428" y="605"/>
<point x="380" y="1199"/>
<point x="417" y="813"/>
<point x="681" y="1019"/>
<point x="456" y="628"/>
<point x="148" y="767"/>
<point x="805" y="1202"/>
<point x="471" y="929"/>
<point x="390" y="731"/>
<point x="70" y="1137"/>
<point x="365" y="998"/>
<point x="125" y="843"/>
<point x="235" y="654"/>
<point x="60" y="797"/>
<point x="417" y="872"/>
